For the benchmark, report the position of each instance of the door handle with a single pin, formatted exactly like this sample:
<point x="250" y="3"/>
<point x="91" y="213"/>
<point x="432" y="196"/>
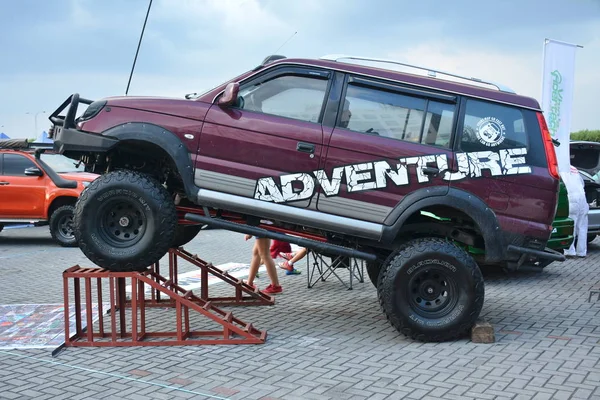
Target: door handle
<point x="4" y="183"/>
<point x="430" y="170"/>
<point x="305" y="147"/>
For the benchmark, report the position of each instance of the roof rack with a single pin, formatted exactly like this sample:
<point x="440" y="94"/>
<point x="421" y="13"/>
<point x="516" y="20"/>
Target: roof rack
<point x="23" y="144"/>
<point x="430" y="72"/>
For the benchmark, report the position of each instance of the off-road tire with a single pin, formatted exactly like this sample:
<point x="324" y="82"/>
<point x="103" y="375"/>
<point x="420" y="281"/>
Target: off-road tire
<point x="373" y="270"/>
<point x="421" y="265"/>
<point x="185" y="234"/>
<point x="61" y="226"/>
<point x="125" y="221"/>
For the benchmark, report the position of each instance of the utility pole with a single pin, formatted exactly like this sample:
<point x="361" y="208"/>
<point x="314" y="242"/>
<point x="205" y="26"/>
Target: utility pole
<point x="138" y="48"/>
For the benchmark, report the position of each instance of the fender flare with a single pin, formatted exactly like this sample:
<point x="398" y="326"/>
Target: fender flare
<point x="163" y="138"/>
<point x="471" y="205"/>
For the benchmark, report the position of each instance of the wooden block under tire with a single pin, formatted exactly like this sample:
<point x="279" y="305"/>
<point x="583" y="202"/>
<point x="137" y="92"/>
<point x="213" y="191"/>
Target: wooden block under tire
<point x="483" y="332"/>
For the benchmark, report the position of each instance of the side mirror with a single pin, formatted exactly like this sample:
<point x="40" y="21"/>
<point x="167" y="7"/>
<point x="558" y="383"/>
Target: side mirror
<point x="230" y="94"/>
<point x="33" y="171"/>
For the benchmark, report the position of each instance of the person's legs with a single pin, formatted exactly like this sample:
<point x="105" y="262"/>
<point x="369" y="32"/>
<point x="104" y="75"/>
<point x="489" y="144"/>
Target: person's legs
<point x="265" y="254"/>
<point x="288" y="265"/>
<point x="582" y="228"/>
<point x="574" y="215"/>
<point x="254" y="264"/>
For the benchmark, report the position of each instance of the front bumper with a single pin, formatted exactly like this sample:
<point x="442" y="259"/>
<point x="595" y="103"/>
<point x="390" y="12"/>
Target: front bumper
<point x="73" y="140"/>
<point x="68" y="139"/>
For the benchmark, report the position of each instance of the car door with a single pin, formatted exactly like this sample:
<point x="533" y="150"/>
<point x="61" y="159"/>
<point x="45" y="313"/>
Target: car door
<point x="21" y="196"/>
<point x="273" y="130"/>
<point x="387" y="142"/>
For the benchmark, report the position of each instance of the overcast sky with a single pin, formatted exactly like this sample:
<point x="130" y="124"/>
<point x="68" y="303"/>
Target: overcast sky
<point x="50" y="49"/>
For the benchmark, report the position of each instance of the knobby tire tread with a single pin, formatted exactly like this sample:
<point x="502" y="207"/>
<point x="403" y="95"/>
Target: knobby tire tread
<point x="153" y="189"/>
<point x="417" y="247"/>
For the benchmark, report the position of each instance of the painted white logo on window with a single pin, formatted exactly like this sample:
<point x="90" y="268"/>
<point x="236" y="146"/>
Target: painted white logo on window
<point x="378" y="174"/>
<point x="490" y="131"/>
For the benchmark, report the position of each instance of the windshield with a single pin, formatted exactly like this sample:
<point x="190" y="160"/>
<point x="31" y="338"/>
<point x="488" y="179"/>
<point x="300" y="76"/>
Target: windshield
<point x="61" y="164"/>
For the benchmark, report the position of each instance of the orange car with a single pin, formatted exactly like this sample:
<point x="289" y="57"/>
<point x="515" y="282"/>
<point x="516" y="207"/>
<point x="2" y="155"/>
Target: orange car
<point x="40" y="188"/>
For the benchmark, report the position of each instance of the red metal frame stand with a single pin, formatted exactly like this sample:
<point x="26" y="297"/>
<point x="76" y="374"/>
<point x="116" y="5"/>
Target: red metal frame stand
<point x="233" y="330"/>
<point x="244" y="294"/>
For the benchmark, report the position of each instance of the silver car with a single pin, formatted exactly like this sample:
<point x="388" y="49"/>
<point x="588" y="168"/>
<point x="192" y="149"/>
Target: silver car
<point x="585" y="156"/>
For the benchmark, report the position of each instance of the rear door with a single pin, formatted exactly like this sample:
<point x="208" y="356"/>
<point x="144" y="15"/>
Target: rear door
<point x="387" y="142"/>
<point x="275" y="129"/>
<point x="21" y="196"/>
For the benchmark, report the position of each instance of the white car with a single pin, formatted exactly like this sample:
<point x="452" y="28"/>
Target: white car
<point x="585" y="156"/>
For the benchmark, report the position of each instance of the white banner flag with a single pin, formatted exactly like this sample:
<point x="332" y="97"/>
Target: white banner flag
<point x="557" y="95"/>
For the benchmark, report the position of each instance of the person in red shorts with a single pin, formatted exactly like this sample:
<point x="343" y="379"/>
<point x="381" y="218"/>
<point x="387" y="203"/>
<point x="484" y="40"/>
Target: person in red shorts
<point x="284" y="250"/>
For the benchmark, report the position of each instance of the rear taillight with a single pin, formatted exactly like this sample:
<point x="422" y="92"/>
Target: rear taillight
<point x="549" y="147"/>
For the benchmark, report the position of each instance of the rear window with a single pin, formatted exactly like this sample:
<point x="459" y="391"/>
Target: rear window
<point x="586" y="159"/>
<point x="493" y="127"/>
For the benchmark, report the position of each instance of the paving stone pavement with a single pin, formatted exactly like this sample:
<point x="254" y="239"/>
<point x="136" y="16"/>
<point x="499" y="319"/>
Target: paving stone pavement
<point x="323" y="343"/>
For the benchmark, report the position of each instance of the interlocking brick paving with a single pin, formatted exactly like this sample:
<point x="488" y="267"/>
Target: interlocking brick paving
<point x="323" y="343"/>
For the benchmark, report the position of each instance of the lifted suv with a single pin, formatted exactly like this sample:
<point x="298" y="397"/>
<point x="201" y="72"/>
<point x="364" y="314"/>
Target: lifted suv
<point x="339" y="157"/>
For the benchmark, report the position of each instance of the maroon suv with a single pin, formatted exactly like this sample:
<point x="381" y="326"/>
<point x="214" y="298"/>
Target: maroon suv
<point x="407" y="172"/>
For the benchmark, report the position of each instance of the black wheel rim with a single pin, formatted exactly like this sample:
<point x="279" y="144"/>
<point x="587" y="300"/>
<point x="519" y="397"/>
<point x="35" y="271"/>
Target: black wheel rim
<point x="65" y="227"/>
<point x="432" y="292"/>
<point x="122" y="222"/>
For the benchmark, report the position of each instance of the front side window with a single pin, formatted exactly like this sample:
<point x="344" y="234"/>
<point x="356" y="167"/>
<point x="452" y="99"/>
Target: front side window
<point x="15" y="165"/>
<point x="490" y="126"/>
<point x="291" y="96"/>
<point x="397" y="116"/>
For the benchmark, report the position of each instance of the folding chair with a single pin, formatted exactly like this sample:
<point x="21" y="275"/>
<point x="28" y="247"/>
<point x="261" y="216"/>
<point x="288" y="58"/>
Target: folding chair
<point x="354" y="267"/>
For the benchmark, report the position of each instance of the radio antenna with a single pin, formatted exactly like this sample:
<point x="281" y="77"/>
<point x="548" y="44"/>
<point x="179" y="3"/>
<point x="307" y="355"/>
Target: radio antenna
<point x="284" y="43"/>
<point x="138" y="48"/>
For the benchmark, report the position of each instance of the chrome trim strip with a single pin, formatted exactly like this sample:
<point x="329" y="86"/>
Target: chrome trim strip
<point x="20" y="220"/>
<point x="289" y="214"/>
<point x="233" y="184"/>
<point x="353" y="208"/>
<point x="224" y="182"/>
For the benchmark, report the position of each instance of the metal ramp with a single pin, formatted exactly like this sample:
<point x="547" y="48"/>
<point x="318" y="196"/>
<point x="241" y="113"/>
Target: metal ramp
<point x="128" y="319"/>
<point x="244" y="294"/>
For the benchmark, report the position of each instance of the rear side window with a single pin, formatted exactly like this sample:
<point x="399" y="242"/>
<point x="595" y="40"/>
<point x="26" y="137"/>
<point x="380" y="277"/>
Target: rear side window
<point x="490" y="126"/>
<point x="396" y="116"/>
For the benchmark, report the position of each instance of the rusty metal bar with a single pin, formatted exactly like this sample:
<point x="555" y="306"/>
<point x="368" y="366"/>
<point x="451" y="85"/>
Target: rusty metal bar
<point x="66" y="308"/>
<point x="121" y="302"/>
<point x="134" y="313"/>
<point x="113" y="319"/>
<point x="88" y="309"/>
<point x="142" y="303"/>
<point x="100" y="309"/>
<point x="77" y="306"/>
